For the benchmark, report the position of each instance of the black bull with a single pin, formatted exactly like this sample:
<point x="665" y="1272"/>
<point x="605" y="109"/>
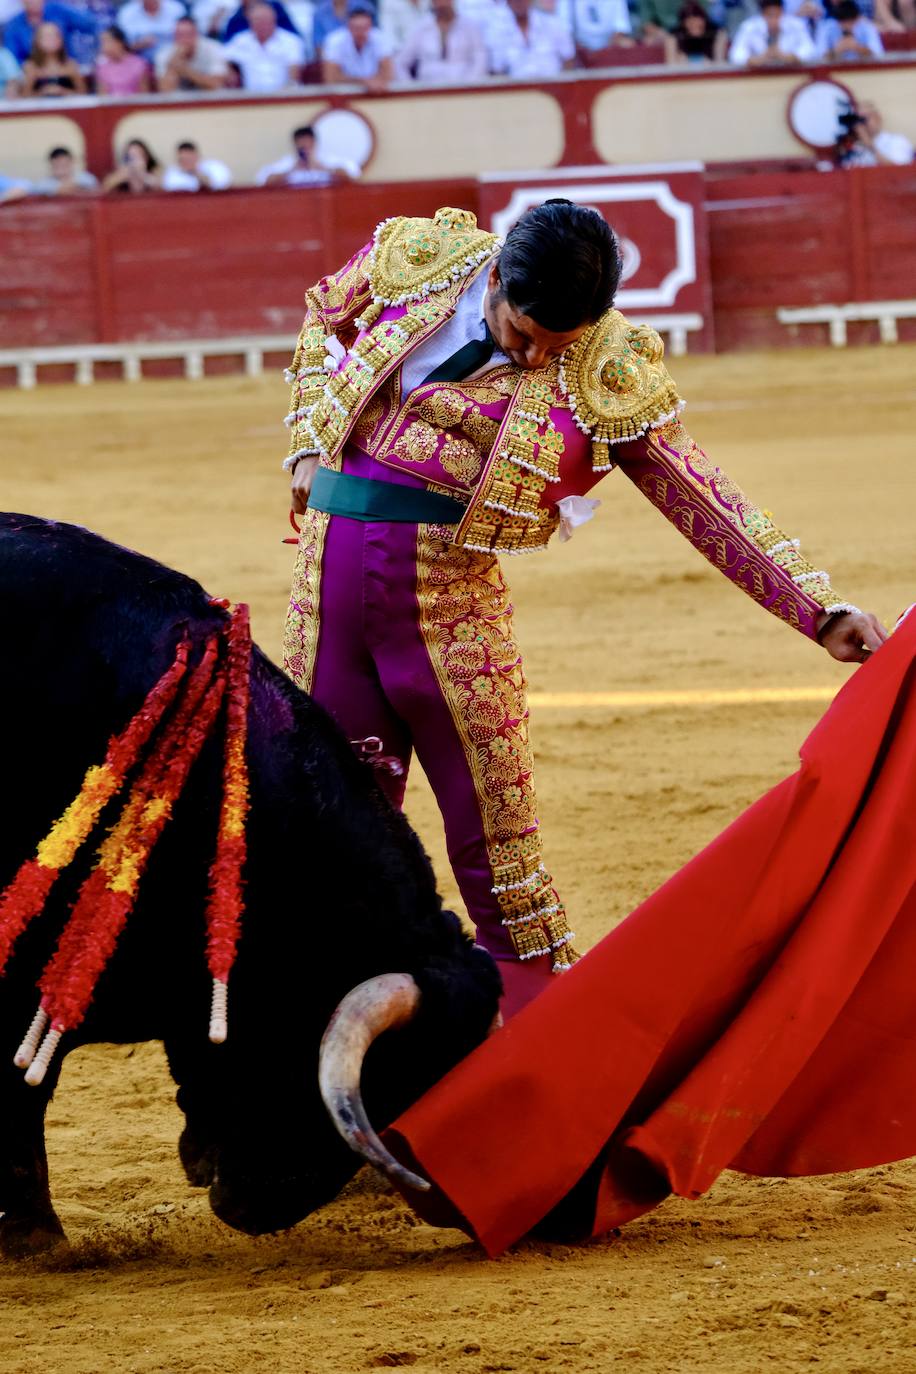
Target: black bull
<point x="338" y="889"/>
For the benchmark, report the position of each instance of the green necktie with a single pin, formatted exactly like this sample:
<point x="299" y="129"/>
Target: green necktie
<point x="465" y="360"/>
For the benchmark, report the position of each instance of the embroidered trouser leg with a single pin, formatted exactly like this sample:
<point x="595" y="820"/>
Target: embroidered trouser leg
<point x="403" y="637"/>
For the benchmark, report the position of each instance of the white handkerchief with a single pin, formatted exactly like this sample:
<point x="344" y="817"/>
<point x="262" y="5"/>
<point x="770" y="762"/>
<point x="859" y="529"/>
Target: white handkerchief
<point x="574" y="511"/>
<point x="336" y="353"/>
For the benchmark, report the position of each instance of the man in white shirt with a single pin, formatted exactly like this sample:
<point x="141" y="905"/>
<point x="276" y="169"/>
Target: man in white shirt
<point x="150" y="24"/>
<point x="772" y="38"/>
<point x="191" y="172"/>
<point x="874" y="146"/>
<point x="267" y="57"/>
<point x="527" y="43"/>
<point x="358" y="51"/>
<point x="398" y="19"/>
<point x="303" y="167"/>
<point x="445" y="49"/>
<point x="594" y="24"/>
<point x="191" y="62"/>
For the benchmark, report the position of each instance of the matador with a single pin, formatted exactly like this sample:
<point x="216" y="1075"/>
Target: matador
<point x="454" y="398"/>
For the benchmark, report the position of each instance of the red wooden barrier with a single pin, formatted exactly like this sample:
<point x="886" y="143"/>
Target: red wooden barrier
<point x="167" y="267"/>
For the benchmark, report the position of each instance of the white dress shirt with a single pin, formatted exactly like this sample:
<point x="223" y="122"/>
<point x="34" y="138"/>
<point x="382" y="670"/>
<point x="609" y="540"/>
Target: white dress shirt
<point x="752" y="39"/>
<point x="219" y="178"/>
<point x="593" y="23"/>
<point x="466" y="324"/>
<point x="540" y="53"/>
<point x="461" y="59"/>
<point x="360" y="64"/>
<point x="138" y="23"/>
<point x="265" y="66"/>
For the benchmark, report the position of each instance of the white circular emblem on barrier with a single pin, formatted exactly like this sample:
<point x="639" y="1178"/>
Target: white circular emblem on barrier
<point x="814" y="112"/>
<point x="343" y="136"/>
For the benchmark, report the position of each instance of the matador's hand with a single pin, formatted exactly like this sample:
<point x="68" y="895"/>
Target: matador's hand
<point x="852" y="636"/>
<point x="301" y="483"/>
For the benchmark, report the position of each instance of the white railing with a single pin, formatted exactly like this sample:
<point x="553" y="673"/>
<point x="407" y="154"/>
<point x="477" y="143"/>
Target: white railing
<point x="836" y="317"/>
<point x="251" y="348"/>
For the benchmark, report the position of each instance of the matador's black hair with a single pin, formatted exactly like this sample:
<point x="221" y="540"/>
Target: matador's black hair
<point x="560" y="265"/>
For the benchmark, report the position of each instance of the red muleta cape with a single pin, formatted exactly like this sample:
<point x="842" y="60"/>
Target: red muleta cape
<point x="757" y="1013"/>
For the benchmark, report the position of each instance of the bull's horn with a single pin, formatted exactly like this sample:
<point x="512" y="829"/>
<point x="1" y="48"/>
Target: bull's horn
<point x="380" y="1004"/>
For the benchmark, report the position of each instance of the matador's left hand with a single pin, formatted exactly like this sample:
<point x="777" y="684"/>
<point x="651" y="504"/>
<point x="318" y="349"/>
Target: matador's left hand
<point x="852" y="636"/>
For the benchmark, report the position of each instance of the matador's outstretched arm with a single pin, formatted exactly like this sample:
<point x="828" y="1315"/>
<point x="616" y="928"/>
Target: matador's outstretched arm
<point x="742" y="541"/>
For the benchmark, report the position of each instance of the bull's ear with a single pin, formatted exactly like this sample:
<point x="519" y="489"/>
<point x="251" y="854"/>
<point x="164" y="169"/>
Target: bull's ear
<point x="380" y="1004"/>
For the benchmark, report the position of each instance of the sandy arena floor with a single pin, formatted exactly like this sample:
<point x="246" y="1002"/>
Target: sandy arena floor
<point x="761" y="1274"/>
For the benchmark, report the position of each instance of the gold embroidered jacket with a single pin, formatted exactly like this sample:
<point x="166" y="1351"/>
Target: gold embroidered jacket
<point x="513" y="443"/>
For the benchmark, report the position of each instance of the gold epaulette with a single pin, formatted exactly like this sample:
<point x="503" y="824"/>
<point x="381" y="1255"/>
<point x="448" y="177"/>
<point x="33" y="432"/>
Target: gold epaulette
<point x="617" y="384"/>
<point x="413" y="257"/>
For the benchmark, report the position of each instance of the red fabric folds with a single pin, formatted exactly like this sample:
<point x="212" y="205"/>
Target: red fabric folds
<point x="757" y="1013"/>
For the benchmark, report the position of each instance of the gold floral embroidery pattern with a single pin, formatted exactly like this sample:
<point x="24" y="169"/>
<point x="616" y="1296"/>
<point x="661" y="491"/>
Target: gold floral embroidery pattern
<point x="617" y="384"/>
<point x="675" y="445"/>
<point x="481" y="428"/>
<point x="300" y="637"/>
<point x="443" y="407"/>
<point x="507" y="513"/>
<point x="413" y="257"/>
<point x="417" y="444"/>
<point x="465" y="621"/>
<point x="461" y="459"/>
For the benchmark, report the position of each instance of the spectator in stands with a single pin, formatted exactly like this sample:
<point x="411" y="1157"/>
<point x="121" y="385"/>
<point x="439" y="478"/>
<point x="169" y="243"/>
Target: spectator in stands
<point x="192" y="62"/>
<point x="49" y="70"/>
<point x="10" y="75"/>
<point x="848" y="36"/>
<point x="191" y="172"/>
<point x="772" y="38"/>
<point x="696" y="39"/>
<point x="269" y="58"/>
<point x="595" y="24"/>
<point x="118" y="71"/>
<point x="445" y="48"/>
<point x="399" y="19"/>
<point x="658" y="18"/>
<point x="64" y="179"/>
<point x="238" y="20"/>
<point x="874" y="146"/>
<point x="329" y="15"/>
<point x="20" y="31"/>
<point x="150" y="24"/>
<point x="358" y="52"/>
<point x="528" y="43"/>
<point x="138" y="172"/>
<point x="304" y="166"/>
<point x="212" y="16"/>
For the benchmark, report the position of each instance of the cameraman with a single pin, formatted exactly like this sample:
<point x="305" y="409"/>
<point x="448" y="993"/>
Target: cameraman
<point x="866" y="143"/>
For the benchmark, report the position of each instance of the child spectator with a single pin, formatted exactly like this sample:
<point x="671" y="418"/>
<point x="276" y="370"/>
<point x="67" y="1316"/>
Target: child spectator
<point x="527" y="43"/>
<point x="20" y="31"/>
<point x="150" y="24"/>
<point x="772" y="39"/>
<point x="269" y="58"/>
<point x="848" y="36"/>
<point x="696" y="39"/>
<point x="63" y="178"/>
<point x="118" y="71"/>
<point x="304" y="167"/>
<point x="138" y="172"/>
<point x="191" y="172"/>
<point x="49" y="70"/>
<point x="192" y="62"/>
<point x="359" y="52"/>
<point x="445" y="48"/>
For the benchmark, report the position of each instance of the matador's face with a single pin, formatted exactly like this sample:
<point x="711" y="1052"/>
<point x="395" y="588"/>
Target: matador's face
<point x="527" y="343"/>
